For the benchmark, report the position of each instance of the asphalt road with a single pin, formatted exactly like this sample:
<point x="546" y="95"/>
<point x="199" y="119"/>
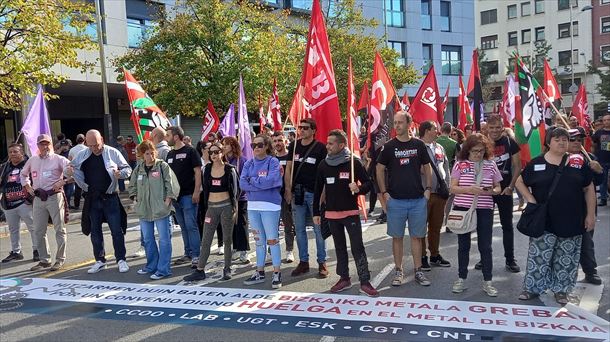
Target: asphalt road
<point x="16" y="325"/>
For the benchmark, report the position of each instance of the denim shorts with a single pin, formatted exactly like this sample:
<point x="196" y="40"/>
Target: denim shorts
<point x="411" y="211"/>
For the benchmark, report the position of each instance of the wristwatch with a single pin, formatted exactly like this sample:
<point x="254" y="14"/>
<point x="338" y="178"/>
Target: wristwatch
<point x="428" y="188"/>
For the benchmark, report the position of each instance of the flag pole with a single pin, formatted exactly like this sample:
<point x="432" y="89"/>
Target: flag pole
<point x="294" y="148"/>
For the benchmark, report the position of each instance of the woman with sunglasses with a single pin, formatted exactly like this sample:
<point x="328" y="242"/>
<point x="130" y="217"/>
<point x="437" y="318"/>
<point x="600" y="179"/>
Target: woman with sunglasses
<point x="218" y="205"/>
<point x="261" y="178"/>
<point x="241" y="243"/>
<point x="473" y="160"/>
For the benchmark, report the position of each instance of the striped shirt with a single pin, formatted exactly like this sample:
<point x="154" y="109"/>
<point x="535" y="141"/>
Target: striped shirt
<point x="464" y="172"/>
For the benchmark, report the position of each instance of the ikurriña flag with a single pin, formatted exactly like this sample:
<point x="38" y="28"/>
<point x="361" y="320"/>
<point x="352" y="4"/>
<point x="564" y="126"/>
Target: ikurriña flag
<point x="529" y="119"/>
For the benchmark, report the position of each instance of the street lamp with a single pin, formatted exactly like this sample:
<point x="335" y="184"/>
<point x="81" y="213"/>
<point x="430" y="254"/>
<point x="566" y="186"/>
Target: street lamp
<point x="573" y="88"/>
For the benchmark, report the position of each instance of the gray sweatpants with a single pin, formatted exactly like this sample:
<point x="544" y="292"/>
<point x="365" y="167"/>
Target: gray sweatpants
<point x="217" y="212"/>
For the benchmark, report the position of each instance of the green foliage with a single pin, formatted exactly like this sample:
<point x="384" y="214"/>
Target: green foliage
<point x="603" y="87"/>
<point x="34" y="39"/>
<point x="198" y="54"/>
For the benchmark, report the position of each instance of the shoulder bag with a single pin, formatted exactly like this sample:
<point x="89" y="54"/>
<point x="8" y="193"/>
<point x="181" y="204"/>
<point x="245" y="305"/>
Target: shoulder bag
<point x="462" y="222"/>
<point x="442" y="189"/>
<point x="533" y="218"/>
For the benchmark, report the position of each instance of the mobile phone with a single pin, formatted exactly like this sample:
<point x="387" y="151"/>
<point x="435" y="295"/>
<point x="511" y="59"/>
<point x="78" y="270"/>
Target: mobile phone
<point x="487" y="188"/>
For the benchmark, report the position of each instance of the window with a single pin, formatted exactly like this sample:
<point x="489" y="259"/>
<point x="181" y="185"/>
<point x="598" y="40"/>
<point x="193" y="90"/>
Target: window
<point x="566" y="83"/>
<point x="526" y="36"/>
<point x="564" y="29"/>
<point x="526" y="9"/>
<point x="445" y="16"/>
<point x="400" y="48"/>
<point x="565" y="4"/>
<point x="302" y="4"/>
<point x="565" y="57"/>
<point x="512" y="11"/>
<point x="426" y="15"/>
<point x="451" y="59"/>
<point x="603" y="2"/>
<point x="138" y="30"/>
<point x="604" y="53"/>
<point x="427" y="57"/>
<point x="394" y="13"/>
<point x="605" y="26"/>
<point x="489" y="17"/>
<point x="489" y="42"/>
<point x="90" y="29"/>
<point x="490" y="67"/>
<point x="539" y="6"/>
<point x="539" y="34"/>
<point x="512" y="38"/>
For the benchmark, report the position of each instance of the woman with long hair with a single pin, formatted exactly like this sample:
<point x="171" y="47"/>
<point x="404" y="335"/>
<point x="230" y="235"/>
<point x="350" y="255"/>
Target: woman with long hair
<point x="151" y="188"/>
<point x="475" y="165"/>
<point x="218" y="205"/>
<point x="261" y="178"/>
<point x="241" y="244"/>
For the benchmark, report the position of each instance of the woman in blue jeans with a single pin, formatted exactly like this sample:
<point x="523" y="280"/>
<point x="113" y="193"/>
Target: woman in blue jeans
<point x="151" y="188"/>
<point x="261" y="179"/>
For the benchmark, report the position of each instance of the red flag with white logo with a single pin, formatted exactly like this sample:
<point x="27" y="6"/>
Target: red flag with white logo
<point x="381" y="108"/>
<point x="464" y="113"/>
<point x="580" y="107"/>
<point x="274" y="109"/>
<point x="427" y="101"/>
<point x="210" y="121"/>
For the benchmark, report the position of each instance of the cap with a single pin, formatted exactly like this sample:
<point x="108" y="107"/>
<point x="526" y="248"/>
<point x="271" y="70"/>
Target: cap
<point x="577" y="132"/>
<point x="64" y="143"/>
<point x="44" y="137"/>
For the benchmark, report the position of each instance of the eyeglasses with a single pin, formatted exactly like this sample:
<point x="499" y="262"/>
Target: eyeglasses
<point x="257" y="145"/>
<point x="215" y="152"/>
<point x="305" y="128"/>
<point x="477" y="151"/>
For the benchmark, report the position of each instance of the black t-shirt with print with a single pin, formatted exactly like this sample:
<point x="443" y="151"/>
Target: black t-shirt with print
<point x="403" y="161"/>
<point x="602" y="139"/>
<point x="182" y="162"/>
<point x="307" y="175"/>
<point x="567" y="206"/>
<point x="14" y="194"/>
<point x="283" y="160"/>
<point x="504" y="149"/>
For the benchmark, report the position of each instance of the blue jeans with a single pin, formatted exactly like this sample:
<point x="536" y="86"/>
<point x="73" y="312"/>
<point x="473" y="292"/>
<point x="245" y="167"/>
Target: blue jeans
<point x="121" y="185"/>
<point x="69" y="191"/>
<point x="106" y="207"/>
<point x="300" y="213"/>
<point x="266" y="226"/>
<point x="157" y="258"/>
<point x="186" y="214"/>
<point x="603" y="188"/>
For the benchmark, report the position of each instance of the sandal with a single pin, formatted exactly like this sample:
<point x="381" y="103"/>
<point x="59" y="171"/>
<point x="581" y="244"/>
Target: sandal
<point x="561" y="298"/>
<point x="525" y="295"/>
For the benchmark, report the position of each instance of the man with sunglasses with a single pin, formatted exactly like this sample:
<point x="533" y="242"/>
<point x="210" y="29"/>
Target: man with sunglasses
<point x="281" y="153"/>
<point x="587" y="250"/>
<point x="300" y="180"/>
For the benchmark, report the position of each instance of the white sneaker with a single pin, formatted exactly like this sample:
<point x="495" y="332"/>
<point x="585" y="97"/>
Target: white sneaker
<point x="490" y="289"/>
<point x="123" y="267"/>
<point x="289" y="256"/>
<point x="98" y="266"/>
<point x="243" y="257"/>
<point x="235" y="255"/>
<point x="139" y="253"/>
<point x="176" y="228"/>
<point x="458" y="286"/>
<point x="221" y="250"/>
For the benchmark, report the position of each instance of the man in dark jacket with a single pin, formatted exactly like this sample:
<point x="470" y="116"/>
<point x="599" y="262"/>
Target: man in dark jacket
<point x="335" y="177"/>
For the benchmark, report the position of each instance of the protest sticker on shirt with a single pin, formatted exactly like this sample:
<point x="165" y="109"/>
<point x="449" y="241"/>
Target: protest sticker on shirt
<point x="343" y="175"/>
<point x="576" y="161"/>
<point x="34" y="174"/>
<point x="262" y="173"/>
<point x="330" y="180"/>
<point x="180" y="155"/>
<point x="208" y="220"/>
<point x="404" y="161"/>
<point x="216" y="182"/>
<point x="155" y="174"/>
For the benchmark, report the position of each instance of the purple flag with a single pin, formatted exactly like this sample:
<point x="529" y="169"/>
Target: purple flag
<point x="37" y="121"/>
<point x="227" y="126"/>
<point x="245" y="139"/>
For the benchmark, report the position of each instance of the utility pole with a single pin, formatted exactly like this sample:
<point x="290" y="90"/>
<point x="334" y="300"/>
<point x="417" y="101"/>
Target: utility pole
<point x="100" y="42"/>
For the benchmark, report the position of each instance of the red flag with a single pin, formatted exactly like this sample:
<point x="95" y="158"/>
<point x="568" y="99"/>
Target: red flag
<point x="381" y="110"/>
<point x="405" y="104"/>
<point x="475" y="90"/>
<point x="443" y="108"/>
<point x="364" y="105"/>
<point x="261" y="115"/>
<point x="352" y="127"/>
<point x="274" y="108"/>
<point x="317" y="85"/>
<point x="210" y="121"/>
<point x="550" y="84"/>
<point x="427" y="101"/>
<point x="464" y="114"/>
<point x="580" y="107"/>
<point x="299" y="108"/>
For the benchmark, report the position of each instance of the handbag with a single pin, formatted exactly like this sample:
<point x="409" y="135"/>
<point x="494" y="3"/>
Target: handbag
<point x="299" y="189"/>
<point x="462" y="222"/>
<point x="442" y="189"/>
<point x="533" y="218"/>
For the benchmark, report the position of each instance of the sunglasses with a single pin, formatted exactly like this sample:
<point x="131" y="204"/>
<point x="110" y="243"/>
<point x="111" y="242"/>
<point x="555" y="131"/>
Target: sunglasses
<point x="257" y="145"/>
<point x="477" y="151"/>
<point x="215" y="152"/>
<point x="576" y="139"/>
<point x="305" y="128"/>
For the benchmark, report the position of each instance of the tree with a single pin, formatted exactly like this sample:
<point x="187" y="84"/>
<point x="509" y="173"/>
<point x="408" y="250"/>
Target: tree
<point x="485" y="70"/>
<point x="198" y="54"/>
<point x="35" y="36"/>
<point x="603" y="87"/>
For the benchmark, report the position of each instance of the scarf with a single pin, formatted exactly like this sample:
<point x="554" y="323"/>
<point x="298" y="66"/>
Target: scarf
<point x="339" y="158"/>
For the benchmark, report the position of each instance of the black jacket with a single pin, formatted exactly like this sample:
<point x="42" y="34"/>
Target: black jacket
<point x="206" y="183"/>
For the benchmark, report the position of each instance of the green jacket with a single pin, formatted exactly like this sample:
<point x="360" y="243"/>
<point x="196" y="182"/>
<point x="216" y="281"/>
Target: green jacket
<point x="150" y="190"/>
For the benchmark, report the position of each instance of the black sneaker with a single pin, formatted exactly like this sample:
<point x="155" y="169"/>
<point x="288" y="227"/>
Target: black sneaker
<point x="13" y="256"/>
<point x="602" y="203"/>
<point x="382" y="218"/>
<point x="226" y="274"/>
<point x="512" y="266"/>
<point x="276" y="283"/>
<point x="425" y="266"/>
<point x="36" y="256"/>
<point x="439" y="261"/>
<point x="197" y="275"/>
<point x="185" y="259"/>
<point x="478" y="266"/>
<point x="257" y="278"/>
<point x="593" y="278"/>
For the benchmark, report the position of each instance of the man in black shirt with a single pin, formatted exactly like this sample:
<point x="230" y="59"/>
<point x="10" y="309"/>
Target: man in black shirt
<point x="97" y="170"/>
<point x="300" y="182"/>
<point x="601" y="141"/>
<point x="506" y="156"/>
<point x="186" y="164"/>
<point x="336" y="176"/>
<point x="281" y="153"/>
<point x="406" y="160"/>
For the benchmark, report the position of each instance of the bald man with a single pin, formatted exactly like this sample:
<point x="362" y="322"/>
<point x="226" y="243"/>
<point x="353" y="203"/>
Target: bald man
<point x="158" y="138"/>
<point x="97" y="171"/>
